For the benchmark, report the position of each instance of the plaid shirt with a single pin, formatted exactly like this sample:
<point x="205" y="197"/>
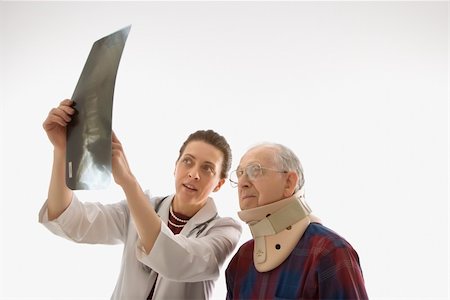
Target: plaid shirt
<point x="322" y="266"/>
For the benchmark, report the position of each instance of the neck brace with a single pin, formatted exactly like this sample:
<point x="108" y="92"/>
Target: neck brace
<point x="276" y="228"/>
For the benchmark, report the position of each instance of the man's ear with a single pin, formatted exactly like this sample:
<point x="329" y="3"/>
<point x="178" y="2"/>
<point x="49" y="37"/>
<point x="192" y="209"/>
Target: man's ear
<point x="291" y="183"/>
<point x="219" y="185"/>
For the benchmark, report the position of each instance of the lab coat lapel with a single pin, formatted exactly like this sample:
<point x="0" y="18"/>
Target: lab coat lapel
<point x="163" y="211"/>
<point x="204" y="214"/>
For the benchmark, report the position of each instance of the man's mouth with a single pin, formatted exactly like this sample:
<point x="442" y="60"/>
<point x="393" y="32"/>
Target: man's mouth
<point x="245" y="197"/>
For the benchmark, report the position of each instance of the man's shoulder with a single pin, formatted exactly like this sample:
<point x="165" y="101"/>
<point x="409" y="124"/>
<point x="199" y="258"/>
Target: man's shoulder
<point x="323" y="236"/>
<point x="242" y="259"/>
<point x="248" y="245"/>
<point x="245" y="249"/>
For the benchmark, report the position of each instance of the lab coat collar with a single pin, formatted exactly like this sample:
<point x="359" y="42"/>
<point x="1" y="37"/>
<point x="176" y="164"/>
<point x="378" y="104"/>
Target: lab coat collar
<point x="205" y="214"/>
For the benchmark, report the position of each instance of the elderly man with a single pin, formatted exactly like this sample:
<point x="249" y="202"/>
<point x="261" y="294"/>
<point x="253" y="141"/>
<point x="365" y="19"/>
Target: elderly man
<point x="291" y="255"/>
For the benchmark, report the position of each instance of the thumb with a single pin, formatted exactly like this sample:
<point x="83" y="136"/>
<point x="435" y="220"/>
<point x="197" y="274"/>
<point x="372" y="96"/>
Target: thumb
<point x="114" y="138"/>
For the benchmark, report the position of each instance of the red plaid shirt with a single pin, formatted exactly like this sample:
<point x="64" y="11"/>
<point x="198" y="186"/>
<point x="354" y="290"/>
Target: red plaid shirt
<point x="323" y="265"/>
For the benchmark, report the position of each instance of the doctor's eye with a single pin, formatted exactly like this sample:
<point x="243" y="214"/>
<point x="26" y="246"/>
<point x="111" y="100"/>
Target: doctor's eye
<point x="187" y="161"/>
<point x="209" y="169"/>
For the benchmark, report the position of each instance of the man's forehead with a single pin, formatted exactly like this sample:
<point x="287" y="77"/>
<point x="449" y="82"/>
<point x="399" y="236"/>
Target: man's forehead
<point x="259" y="154"/>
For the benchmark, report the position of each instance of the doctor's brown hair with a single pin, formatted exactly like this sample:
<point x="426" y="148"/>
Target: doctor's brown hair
<point x="214" y="139"/>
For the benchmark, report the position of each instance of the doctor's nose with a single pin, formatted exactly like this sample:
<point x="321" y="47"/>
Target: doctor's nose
<point x="193" y="173"/>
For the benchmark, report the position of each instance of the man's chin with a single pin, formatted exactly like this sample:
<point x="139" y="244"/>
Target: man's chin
<point x="248" y="203"/>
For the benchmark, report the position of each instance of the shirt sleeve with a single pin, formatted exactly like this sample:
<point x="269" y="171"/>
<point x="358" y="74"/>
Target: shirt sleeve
<point x="191" y="259"/>
<point x="340" y="275"/>
<point x="91" y="223"/>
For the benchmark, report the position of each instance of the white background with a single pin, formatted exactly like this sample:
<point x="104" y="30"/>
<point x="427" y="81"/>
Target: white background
<point x="359" y="90"/>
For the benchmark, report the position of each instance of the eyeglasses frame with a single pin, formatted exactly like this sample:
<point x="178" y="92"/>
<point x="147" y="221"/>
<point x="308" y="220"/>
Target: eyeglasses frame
<point x="235" y="184"/>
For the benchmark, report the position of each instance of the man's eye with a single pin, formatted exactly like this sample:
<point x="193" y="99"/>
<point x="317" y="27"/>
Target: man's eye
<point x="239" y="173"/>
<point x="253" y="170"/>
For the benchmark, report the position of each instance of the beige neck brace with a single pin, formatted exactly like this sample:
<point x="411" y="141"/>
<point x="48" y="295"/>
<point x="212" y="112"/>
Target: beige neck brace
<point x="276" y="228"/>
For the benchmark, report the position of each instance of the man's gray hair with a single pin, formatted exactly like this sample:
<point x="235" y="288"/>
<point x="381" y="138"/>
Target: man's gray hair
<point x="286" y="159"/>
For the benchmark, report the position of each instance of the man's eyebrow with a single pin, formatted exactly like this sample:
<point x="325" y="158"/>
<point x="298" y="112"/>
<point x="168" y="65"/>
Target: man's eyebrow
<point x="249" y="164"/>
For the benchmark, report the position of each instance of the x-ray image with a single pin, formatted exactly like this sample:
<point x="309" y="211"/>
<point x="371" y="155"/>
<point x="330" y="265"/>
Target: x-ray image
<point x="88" y="156"/>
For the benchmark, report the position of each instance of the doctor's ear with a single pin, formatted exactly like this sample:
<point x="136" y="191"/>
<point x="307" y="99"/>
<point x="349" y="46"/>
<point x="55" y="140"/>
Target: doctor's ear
<point x="219" y="185"/>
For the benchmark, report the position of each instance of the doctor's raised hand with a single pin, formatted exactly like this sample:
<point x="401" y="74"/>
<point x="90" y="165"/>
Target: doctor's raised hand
<point x="59" y="195"/>
<point x="148" y="223"/>
<point x="56" y="122"/>
<point x="120" y="168"/>
<point x="174" y="245"/>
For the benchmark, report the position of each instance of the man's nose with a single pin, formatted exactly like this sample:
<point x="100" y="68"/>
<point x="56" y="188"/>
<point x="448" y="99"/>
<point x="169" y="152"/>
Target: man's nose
<point x="244" y="181"/>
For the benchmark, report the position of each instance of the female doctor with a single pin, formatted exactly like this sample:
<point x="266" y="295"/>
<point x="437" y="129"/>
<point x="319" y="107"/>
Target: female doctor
<point x="174" y="246"/>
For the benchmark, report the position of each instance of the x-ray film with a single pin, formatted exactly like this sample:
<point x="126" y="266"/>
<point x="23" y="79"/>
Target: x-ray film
<point x="88" y="155"/>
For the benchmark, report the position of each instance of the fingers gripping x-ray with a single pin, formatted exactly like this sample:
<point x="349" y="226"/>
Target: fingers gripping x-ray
<point x="88" y="154"/>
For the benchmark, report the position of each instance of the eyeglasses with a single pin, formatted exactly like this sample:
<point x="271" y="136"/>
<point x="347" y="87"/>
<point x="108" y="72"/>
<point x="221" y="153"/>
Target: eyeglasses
<point x="253" y="171"/>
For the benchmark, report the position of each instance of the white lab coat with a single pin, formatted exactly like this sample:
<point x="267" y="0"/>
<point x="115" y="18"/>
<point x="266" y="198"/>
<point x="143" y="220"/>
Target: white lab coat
<point x="187" y="265"/>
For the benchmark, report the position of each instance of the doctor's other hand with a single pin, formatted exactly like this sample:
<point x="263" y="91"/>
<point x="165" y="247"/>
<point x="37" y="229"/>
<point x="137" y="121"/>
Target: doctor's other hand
<point x="56" y="122"/>
<point x="120" y="168"/>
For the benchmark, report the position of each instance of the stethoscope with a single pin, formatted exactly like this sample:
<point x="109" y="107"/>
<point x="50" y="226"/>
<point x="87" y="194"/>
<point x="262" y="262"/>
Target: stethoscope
<point x="199" y="227"/>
